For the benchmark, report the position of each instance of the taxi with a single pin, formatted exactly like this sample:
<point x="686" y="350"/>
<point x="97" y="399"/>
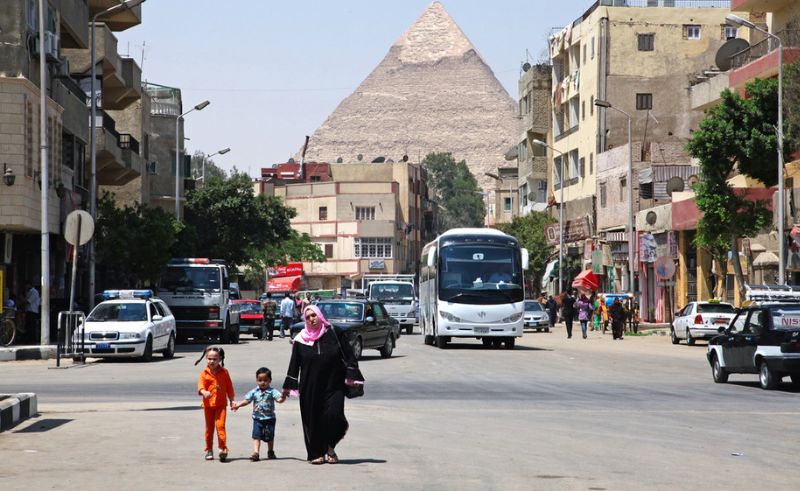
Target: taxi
<point x="128" y="323"/>
<point x="763" y="338"/>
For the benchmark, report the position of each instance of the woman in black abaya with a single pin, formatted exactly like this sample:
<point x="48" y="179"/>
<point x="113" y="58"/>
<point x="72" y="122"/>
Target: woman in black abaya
<point x="322" y="363"/>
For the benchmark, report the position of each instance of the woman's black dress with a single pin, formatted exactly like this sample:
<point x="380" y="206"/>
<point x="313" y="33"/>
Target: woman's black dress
<point x="318" y="372"/>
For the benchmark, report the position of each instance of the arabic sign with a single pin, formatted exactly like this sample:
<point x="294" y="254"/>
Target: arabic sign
<point x="290" y="269"/>
<point x="574" y="230"/>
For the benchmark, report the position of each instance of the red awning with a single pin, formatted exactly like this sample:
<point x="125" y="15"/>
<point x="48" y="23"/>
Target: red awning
<point x="284" y="284"/>
<point x="588" y="280"/>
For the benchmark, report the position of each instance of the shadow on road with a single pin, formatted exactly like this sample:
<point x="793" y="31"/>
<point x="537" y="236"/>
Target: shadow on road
<point x="783" y="387"/>
<point x="378" y="357"/>
<point x="173" y="408"/>
<point x="452" y="346"/>
<point x="40" y="426"/>
<point x="360" y="461"/>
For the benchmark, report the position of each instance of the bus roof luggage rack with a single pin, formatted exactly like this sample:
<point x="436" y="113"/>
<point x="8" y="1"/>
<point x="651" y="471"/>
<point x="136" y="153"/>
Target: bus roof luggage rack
<point x="773" y="293"/>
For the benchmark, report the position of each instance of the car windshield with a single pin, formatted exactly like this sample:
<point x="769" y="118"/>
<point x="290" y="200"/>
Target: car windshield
<point x="119" y="312"/>
<point x="715" y="308"/>
<point x="186" y="278"/>
<point x="786" y="317"/>
<point x="480" y="274"/>
<point x="250" y="308"/>
<point x="532" y="306"/>
<point x="396" y="291"/>
<point x="342" y="310"/>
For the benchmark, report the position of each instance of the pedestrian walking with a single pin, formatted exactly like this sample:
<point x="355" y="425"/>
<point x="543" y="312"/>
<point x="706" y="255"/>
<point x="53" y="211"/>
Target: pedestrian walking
<point x="268" y="308"/>
<point x="585" y="313"/>
<point x="568" y="311"/>
<point x="597" y="318"/>
<point x="617" y="313"/>
<point x="33" y="303"/>
<point x="287" y="314"/>
<point x="322" y="365"/>
<point x="263" y="397"/>
<point x="552" y="311"/>
<point x="305" y="302"/>
<point x="216" y="388"/>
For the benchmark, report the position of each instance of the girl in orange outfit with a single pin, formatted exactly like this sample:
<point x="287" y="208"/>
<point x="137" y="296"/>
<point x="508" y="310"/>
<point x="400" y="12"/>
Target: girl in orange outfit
<point x="216" y="388"/>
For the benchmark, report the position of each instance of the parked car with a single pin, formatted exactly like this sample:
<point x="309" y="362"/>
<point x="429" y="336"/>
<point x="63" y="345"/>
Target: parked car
<point x="128" y="323"/>
<point x="763" y="338"/>
<point x="366" y="322"/>
<point x="250" y="317"/>
<point x="700" y="320"/>
<point x="535" y="316"/>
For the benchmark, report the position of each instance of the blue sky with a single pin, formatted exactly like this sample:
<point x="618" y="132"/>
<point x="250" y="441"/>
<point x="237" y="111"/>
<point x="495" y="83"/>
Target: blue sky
<point x="274" y="70"/>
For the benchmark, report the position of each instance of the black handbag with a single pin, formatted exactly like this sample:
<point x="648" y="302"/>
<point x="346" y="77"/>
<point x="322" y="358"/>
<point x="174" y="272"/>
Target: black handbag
<point x="350" y="391"/>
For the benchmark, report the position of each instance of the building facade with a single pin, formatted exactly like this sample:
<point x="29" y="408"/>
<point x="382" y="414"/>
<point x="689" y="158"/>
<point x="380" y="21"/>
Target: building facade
<point x="535" y="95"/>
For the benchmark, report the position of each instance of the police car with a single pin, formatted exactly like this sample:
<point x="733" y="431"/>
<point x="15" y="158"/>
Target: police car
<point x="129" y="323"/>
<point x="763" y="338"/>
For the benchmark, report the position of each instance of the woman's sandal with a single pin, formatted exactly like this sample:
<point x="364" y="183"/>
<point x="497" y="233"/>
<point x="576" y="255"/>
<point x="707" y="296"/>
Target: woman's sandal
<point x="318" y="461"/>
<point x="332" y="458"/>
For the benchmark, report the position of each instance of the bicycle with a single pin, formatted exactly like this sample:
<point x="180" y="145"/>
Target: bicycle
<point x="8" y="330"/>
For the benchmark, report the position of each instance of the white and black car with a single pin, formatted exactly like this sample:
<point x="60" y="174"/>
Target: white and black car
<point x="763" y="338"/>
<point x="129" y="323"/>
<point x="700" y="320"/>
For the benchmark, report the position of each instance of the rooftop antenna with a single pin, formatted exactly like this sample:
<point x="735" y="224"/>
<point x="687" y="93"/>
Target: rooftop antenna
<point x="143" y="47"/>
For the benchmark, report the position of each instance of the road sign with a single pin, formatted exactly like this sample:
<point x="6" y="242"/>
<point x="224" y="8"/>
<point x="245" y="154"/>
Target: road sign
<point x="79" y="227"/>
<point x="665" y="267"/>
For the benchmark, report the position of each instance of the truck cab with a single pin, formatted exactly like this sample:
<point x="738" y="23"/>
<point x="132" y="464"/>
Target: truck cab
<point x="398" y="294"/>
<point x="198" y="292"/>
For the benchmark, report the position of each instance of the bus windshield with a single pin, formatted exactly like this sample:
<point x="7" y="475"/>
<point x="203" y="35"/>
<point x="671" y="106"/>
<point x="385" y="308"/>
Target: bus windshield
<point x="191" y="279"/>
<point x="478" y="273"/>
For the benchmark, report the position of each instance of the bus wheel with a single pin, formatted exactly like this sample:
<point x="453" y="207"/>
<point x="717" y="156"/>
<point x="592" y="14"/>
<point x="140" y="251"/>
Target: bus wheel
<point x="496" y="343"/>
<point x="486" y="342"/>
<point x="428" y="339"/>
<point x="441" y="342"/>
<point x="509" y="343"/>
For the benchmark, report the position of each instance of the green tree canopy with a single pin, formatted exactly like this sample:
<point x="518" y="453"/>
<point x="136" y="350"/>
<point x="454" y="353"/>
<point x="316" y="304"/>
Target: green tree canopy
<point x="212" y="169"/>
<point x="738" y="134"/>
<point x="529" y="231"/>
<point x="455" y="191"/>
<point x="133" y="243"/>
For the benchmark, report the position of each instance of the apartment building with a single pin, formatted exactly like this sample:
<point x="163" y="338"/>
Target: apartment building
<point x="636" y="56"/>
<point x="67" y="52"/>
<point x="535" y="95"/>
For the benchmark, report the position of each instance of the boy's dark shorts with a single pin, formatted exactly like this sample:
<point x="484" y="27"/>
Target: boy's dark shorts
<point x="264" y="429"/>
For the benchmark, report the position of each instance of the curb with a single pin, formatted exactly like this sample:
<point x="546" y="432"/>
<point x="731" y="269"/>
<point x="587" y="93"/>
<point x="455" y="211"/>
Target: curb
<point x="16" y="353"/>
<point x="15" y="408"/>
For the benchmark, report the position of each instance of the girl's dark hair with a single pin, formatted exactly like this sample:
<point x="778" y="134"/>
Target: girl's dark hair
<point x="264" y="370"/>
<point x="215" y="349"/>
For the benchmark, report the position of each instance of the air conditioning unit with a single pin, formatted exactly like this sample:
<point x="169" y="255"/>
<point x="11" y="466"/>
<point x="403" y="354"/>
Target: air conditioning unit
<point x="63" y="67"/>
<point x="50" y="45"/>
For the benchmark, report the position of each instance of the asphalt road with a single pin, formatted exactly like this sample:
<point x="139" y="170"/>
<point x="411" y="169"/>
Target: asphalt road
<point x="551" y="414"/>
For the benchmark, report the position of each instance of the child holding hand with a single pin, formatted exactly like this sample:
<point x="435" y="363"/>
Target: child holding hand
<point x="263" y="398"/>
<point x="215" y="387"/>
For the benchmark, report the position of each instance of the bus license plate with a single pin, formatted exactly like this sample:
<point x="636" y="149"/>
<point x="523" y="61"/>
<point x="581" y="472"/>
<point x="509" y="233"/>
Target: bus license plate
<point x="482" y="330"/>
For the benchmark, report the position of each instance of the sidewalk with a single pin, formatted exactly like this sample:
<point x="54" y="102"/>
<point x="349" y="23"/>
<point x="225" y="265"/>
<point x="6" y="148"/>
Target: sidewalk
<point x="32" y="352"/>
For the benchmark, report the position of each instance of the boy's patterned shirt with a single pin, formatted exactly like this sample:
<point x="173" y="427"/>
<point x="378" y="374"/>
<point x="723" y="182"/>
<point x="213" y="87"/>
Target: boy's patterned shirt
<point x="263" y="402"/>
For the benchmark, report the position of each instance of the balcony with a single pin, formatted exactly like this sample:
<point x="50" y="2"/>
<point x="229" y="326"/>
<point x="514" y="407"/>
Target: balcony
<point x="120" y="96"/>
<point x="74" y="28"/>
<point x="119" y="21"/>
<point x="117" y="162"/>
<point x="75" y="118"/>
<point x="759" y="5"/>
<point x="761" y="59"/>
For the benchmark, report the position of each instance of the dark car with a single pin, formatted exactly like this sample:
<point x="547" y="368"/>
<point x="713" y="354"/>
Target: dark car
<point x="250" y="317"/>
<point x="367" y="324"/>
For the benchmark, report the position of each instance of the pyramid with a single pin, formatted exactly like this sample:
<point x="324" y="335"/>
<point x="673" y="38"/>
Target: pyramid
<point x="431" y="93"/>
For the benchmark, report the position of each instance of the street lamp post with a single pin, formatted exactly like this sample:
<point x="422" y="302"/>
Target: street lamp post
<point x="540" y="143"/>
<point x="738" y="21"/>
<point x="221" y="152"/>
<point x="127" y="4"/>
<point x="607" y="105"/>
<point x="198" y="107"/>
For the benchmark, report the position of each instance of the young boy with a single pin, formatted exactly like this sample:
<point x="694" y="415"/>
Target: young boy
<point x="263" y="398"/>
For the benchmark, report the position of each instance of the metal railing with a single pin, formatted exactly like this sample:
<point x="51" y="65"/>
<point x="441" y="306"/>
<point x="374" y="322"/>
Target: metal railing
<point x="71" y="342"/>
<point x="126" y="140"/>
<point x="790" y="38"/>
<point x="684" y="4"/>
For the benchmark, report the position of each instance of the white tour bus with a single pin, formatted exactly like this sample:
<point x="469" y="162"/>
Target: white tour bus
<point x="471" y="286"/>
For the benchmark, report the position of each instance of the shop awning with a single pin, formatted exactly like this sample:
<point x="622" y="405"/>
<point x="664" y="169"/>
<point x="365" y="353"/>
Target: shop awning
<point x="587" y="280"/>
<point x="284" y="284"/>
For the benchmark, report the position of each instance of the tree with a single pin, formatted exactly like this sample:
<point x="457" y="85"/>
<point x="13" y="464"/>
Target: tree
<point x="295" y="247"/>
<point x="133" y="243"/>
<point x="738" y="134"/>
<point x="212" y="169"/>
<point x="456" y="192"/>
<point x="529" y="231"/>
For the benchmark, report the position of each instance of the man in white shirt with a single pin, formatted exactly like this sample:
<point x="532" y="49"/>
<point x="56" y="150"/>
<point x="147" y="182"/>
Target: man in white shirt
<point x="33" y="303"/>
<point x="287" y="313"/>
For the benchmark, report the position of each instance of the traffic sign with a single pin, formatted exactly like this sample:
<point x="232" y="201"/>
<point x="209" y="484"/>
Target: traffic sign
<point x="79" y="227"/>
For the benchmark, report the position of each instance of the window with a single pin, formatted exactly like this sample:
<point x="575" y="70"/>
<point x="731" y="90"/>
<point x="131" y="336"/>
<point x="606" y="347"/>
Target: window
<point x="602" y="195"/>
<point x="647" y="42"/>
<point x="623" y="184"/>
<point x="692" y="31"/>
<point x="329" y="251"/>
<point x="573" y="164"/>
<point x="584" y="54"/>
<point x="507" y="204"/>
<point x="365" y="213"/>
<point x="379" y="312"/>
<point x="730" y="32"/>
<point x="591" y="106"/>
<point x="557" y="170"/>
<point x="644" y="101"/>
<point x="582" y="166"/>
<point x="323" y="213"/>
<point x="583" y="110"/>
<point x="316" y="178"/>
<point x="591" y="164"/>
<point x="522" y="151"/>
<point x="593" y="48"/>
<point x="373" y="247"/>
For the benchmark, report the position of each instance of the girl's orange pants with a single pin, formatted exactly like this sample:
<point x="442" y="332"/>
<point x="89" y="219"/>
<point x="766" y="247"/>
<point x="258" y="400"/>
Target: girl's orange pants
<point x="215" y="417"/>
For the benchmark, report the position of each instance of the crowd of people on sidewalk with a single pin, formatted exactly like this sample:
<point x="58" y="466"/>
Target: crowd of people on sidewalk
<point x="595" y="312"/>
<point x="24" y="311"/>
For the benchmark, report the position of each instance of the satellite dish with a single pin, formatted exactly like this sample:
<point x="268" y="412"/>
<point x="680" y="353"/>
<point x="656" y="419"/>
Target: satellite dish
<point x="651" y="218"/>
<point x="291" y="161"/>
<point x="727" y="50"/>
<point x="359" y="157"/>
<point x="693" y="179"/>
<point x="531" y="196"/>
<point x="526" y="66"/>
<point x="339" y="160"/>
<point x="405" y="158"/>
<point x="675" y="185"/>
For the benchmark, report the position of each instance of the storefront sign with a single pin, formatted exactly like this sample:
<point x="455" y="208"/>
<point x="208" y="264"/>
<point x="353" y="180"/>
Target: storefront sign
<point x="647" y="248"/>
<point x="290" y="269"/>
<point x="377" y="264"/>
<point x="672" y="240"/>
<point x="607" y="252"/>
<point x="588" y="248"/>
<point x="574" y="230"/>
<point x="597" y="262"/>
